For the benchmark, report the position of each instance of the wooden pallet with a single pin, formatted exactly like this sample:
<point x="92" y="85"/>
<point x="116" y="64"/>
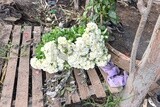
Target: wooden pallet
<point x="22" y="86"/>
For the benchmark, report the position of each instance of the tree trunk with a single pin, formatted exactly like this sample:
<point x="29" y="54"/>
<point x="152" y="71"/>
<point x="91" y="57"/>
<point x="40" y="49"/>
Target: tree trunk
<point x="139" y="82"/>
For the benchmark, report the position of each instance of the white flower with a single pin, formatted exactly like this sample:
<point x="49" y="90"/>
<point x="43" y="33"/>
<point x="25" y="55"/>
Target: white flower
<point x="35" y="63"/>
<point x="98" y="32"/>
<point x="91" y="26"/>
<point x="93" y="55"/>
<point x="62" y="40"/>
<point x="101" y="63"/>
<point x="86" y="52"/>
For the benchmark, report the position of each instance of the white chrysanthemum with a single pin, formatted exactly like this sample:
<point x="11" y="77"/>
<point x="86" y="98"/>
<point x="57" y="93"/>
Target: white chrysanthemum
<point x="35" y="63"/>
<point x="62" y="40"/>
<point x="49" y="66"/>
<point x="91" y="26"/>
<point x="91" y="47"/>
<point x="87" y="51"/>
<point x="93" y="55"/>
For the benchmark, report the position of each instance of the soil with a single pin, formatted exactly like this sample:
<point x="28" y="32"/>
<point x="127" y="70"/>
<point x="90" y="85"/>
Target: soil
<point x="130" y="18"/>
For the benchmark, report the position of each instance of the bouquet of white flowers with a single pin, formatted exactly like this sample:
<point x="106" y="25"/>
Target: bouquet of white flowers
<point x="81" y="48"/>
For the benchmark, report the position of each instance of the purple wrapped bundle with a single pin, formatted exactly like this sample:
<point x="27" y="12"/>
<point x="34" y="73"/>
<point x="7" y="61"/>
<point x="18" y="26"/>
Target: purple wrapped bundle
<point x="110" y="69"/>
<point x="118" y="81"/>
<point x="113" y="78"/>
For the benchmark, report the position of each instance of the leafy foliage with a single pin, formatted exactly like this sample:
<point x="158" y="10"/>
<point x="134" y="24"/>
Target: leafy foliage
<point x="70" y="34"/>
<point x="109" y="101"/>
<point x="100" y="12"/>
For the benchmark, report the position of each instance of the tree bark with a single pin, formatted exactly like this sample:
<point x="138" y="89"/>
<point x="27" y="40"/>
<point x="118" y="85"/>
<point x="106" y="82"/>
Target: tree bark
<point x="139" y="82"/>
<point x="144" y="11"/>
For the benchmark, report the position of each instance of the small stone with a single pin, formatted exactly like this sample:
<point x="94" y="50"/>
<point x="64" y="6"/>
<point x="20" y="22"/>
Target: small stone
<point x="48" y="19"/>
<point x="51" y="94"/>
<point x="72" y="82"/>
<point x="12" y="19"/>
<point x="61" y="25"/>
<point x="54" y="80"/>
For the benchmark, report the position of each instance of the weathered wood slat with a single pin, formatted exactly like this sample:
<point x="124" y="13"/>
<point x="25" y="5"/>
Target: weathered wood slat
<point x="82" y="87"/>
<point x="119" y="58"/>
<point x="23" y="72"/>
<point x="96" y="83"/>
<point x="112" y="90"/>
<point x="75" y="97"/>
<point x="4" y="37"/>
<point x="8" y="84"/>
<point x="6" y="31"/>
<point x="68" y="97"/>
<point x="37" y="94"/>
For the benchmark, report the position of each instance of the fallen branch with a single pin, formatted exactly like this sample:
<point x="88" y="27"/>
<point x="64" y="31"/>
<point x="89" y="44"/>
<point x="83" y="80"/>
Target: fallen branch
<point x="144" y="11"/>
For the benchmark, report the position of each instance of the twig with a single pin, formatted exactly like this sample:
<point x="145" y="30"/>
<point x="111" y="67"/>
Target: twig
<point x="60" y="86"/>
<point x="144" y="11"/>
<point x="76" y="4"/>
<point x="4" y="70"/>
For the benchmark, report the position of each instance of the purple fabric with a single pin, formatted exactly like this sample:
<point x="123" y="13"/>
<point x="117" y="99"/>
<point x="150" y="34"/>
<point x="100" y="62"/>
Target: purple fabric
<point x="111" y="69"/>
<point x="113" y="78"/>
<point x="118" y="81"/>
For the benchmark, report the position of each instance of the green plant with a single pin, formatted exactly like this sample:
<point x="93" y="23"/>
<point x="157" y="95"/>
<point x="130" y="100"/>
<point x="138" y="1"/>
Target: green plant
<point x="70" y="34"/>
<point x="110" y="101"/>
<point x="100" y="12"/>
<point x="4" y="49"/>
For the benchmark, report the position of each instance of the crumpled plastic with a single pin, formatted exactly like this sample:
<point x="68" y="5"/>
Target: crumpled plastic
<point x="51" y="2"/>
<point x="114" y="78"/>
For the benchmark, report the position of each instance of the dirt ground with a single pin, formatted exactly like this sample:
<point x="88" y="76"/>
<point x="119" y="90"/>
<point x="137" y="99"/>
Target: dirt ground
<point x="130" y="18"/>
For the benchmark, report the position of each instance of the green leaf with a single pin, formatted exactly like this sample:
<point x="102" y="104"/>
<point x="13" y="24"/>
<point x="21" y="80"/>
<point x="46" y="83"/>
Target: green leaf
<point x="95" y="17"/>
<point x="112" y="14"/>
<point x="52" y="11"/>
<point x="114" y="21"/>
<point x="62" y="92"/>
<point x="96" y="9"/>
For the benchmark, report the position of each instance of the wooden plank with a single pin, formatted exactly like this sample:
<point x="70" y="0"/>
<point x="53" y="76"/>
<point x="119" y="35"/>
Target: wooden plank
<point x="119" y="58"/>
<point x="82" y="87"/>
<point x="96" y="83"/>
<point x="4" y="38"/>
<point x="37" y="94"/>
<point x="91" y="90"/>
<point x="6" y="31"/>
<point x="68" y="98"/>
<point x="23" y="72"/>
<point x="112" y="90"/>
<point x="8" y="84"/>
<point x="75" y="97"/>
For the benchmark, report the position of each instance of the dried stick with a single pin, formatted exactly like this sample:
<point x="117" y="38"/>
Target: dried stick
<point x="76" y="4"/>
<point x="144" y="11"/>
<point x="60" y="86"/>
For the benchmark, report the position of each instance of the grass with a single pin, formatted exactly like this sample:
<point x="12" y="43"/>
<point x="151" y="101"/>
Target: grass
<point x="110" y="101"/>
